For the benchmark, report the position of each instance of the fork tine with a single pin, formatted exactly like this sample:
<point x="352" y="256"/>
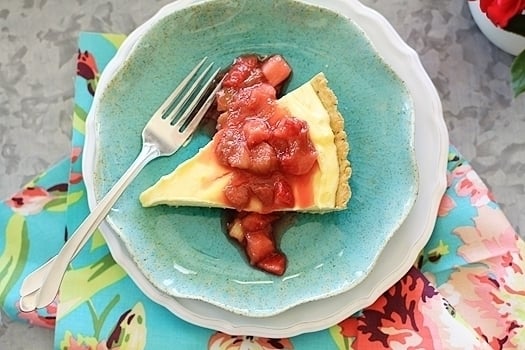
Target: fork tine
<point x="173" y="113"/>
<point x="202" y="111"/>
<point x="171" y="98"/>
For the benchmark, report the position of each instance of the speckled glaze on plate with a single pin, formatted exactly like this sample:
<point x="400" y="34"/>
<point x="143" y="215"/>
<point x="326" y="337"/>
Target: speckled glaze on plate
<point x="182" y="251"/>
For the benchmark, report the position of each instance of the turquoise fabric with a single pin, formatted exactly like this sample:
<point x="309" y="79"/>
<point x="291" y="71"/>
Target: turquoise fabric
<point x="99" y="306"/>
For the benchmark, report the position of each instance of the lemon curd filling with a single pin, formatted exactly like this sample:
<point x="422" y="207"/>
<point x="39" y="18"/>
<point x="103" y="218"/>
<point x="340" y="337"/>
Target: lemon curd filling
<point x="200" y="180"/>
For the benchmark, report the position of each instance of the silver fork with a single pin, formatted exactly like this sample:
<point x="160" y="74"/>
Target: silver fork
<point x="167" y="130"/>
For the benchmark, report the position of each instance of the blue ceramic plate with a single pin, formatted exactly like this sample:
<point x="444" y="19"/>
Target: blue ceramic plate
<point x="183" y="252"/>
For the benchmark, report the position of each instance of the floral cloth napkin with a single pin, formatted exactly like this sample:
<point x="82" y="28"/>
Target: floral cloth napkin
<point x="466" y="290"/>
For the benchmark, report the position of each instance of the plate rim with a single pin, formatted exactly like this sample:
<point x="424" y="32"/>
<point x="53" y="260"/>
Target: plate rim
<point x="363" y="13"/>
<point x="286" y="294"/>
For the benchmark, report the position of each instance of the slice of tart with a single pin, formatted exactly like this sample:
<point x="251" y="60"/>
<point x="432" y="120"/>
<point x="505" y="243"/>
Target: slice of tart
<point x="207" y="180"/>
<point x="269" y="156"/>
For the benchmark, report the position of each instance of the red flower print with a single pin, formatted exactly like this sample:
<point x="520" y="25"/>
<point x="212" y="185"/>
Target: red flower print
<point x="30" y="200"/>
<point x="46" y="319"/>
<point x="87" y="69"/>
<point x="75" y="153"/>
<point x="500" y="12"/>
<point x="75" y="178"/>
<point x="33" y="199"/>
<point x="86" y="65"/>
<point x="472" y="186"/>
<point x="222" y="341"/>
<point x="394" y="317"/>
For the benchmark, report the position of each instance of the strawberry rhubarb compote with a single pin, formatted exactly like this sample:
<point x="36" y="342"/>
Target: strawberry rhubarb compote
<point x="265" y="148"/>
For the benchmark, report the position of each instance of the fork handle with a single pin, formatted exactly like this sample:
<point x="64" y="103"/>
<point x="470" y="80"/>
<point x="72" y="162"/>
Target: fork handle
<point x="51" y="283"/>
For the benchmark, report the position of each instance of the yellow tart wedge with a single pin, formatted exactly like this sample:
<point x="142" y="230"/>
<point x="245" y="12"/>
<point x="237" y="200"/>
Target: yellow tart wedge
<point x="201" y="180"/>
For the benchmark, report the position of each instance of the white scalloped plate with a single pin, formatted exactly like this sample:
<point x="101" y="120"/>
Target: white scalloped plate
<point x="431" y="143"/>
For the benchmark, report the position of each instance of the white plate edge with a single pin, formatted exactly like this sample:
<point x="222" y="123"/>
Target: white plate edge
<point x="115" y="245"/>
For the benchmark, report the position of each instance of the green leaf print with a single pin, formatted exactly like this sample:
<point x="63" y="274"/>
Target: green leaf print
<point x="78" y="342"/>
<point x="342" y="342"/>
<point x="115" y="39"/>
<point x="79" y="119"/>
<point x="99" y="320"/>
<point x="14" y="256"/>
<point x="93" y="278"/>
<point x="97" y="240"/>
<point x="130" y="331"/>
<point x="58" y="204"/>
<point x="74" y="197"/>
<point x="63" y="201"/>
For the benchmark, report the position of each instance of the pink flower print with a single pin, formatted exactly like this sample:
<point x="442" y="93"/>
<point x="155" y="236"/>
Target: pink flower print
<point x="472" y="186"/>
<point x="508" y="261"/>
<point x="489" y="292"/>
<point x="460" y="171"/>
<point x="30" y="200"/>
<point x="75" y="178"/>
<point x="75" y="154"/>
<point x="491" y="236"/>
<point x="446" y="205"/>
<point x="81" y="343"/>
<point x="475" y="296"/>
<point x="46" y="320"/>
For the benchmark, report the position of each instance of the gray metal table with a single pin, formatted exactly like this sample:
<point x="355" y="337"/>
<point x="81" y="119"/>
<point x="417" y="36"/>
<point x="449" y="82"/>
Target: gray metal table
<point x="37" y="65"/>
